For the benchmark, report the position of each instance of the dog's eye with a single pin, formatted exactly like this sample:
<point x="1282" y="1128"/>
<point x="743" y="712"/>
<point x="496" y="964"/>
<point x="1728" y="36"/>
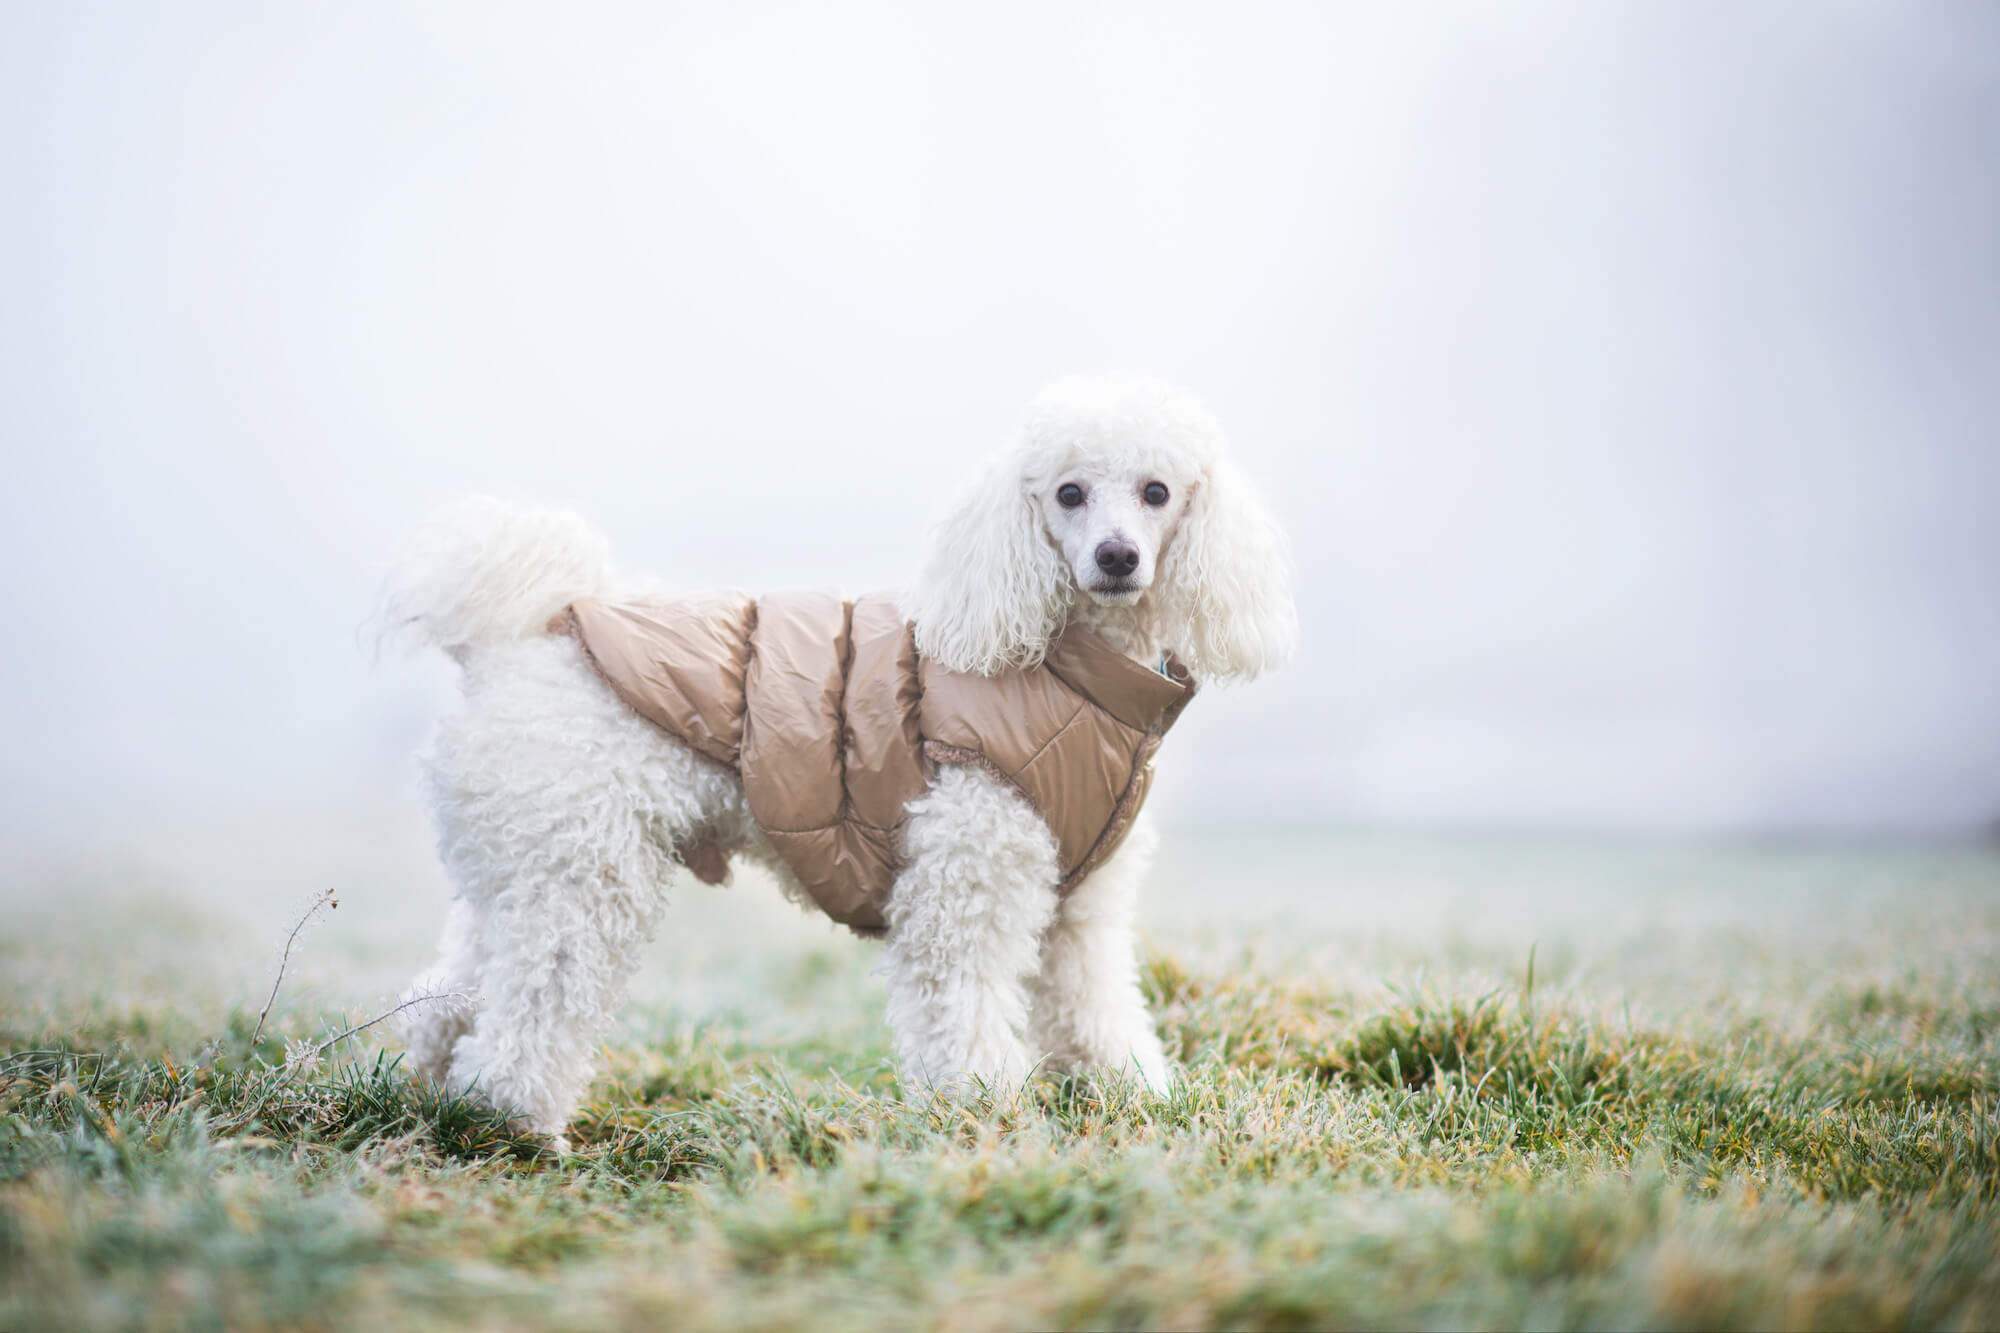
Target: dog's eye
<point x="1069" y="495"/>
<point x="1156" y="494"/>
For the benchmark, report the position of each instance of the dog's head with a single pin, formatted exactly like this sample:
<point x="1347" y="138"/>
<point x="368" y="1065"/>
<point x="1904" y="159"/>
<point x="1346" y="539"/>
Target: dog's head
<point x="1118" y="494"/>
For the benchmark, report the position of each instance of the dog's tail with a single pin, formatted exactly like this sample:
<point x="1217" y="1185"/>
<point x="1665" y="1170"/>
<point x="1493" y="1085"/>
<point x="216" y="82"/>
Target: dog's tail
<point x="484" y="571"/>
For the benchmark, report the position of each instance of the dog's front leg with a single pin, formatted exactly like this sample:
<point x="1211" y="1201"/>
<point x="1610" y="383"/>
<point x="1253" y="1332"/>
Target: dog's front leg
<point x="1087" y="1009"/>
<point x="966" y="918"/>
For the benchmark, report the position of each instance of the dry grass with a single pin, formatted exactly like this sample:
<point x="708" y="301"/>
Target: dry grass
<point x="1751" y="1104"/>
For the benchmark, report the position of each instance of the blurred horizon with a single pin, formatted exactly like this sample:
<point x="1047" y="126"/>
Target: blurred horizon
<point x="1627" y="377"/>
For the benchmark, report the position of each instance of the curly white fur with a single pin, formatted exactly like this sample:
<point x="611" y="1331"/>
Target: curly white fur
<point x="558" y="809"/>
<point x="997" y="586"/>
<point x="484" y="571"/>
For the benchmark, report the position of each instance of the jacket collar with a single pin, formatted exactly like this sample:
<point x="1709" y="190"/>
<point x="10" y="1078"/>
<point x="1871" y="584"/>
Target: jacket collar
<point x="1130" y="691"/>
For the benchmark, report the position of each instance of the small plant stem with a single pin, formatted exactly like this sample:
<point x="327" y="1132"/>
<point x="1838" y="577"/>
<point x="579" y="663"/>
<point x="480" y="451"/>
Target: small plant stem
<point x="414" y="1000"/>
<point x="284" y="960"/>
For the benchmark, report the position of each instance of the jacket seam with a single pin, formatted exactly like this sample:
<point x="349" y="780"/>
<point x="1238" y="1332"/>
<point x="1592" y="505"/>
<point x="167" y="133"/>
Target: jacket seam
<point x="1029" y="762"/>
<point x="840" y="709"/>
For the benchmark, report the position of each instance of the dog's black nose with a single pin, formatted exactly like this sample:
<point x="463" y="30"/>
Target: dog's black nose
<point x="1117" y="558"/>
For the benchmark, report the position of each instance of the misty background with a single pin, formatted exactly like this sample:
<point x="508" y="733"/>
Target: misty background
<point x="1626" y="374"/>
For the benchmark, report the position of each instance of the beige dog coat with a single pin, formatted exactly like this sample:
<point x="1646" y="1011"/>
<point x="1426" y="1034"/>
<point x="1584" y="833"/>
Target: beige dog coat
<point x="835" y="724"/>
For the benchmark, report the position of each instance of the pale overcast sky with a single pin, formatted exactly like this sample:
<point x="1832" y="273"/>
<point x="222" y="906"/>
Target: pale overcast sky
<point x="1627" y="374"/>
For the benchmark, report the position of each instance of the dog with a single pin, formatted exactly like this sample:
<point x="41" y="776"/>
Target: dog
<point x="1115" y="523"/>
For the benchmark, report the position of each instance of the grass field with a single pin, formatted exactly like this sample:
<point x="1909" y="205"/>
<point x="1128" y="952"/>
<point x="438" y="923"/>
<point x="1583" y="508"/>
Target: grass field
<point x="1428" y="1083"/>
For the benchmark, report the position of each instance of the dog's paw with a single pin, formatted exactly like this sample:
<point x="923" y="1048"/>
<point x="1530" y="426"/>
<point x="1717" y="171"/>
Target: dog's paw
<point x="1159" y="1074"/>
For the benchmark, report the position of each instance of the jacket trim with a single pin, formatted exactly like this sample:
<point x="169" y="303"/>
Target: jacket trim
<point x="940" y="752"/>
<point x="1122" y="814"/>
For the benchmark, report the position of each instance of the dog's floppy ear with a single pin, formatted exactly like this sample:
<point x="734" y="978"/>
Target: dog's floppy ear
<point x="1225" y="586"/>
<point x="995" y="589"/>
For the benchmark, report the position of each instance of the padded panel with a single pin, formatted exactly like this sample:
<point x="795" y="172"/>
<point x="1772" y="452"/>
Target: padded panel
<point x="679" y="663"/>
<point x="884" y="741"/>
<point x="791" y="731"/>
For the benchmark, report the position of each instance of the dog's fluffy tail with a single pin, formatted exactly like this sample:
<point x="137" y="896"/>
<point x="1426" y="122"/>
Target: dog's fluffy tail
<point x="484" y="571"/>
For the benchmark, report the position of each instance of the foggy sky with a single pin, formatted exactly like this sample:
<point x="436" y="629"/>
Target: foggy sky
<point x="1625" y="374"/>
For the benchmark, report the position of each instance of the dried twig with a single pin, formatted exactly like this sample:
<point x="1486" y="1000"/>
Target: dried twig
<point x="322" y="899"/>
<point x="302" y="1058"/>
<point x="456" y="997"/>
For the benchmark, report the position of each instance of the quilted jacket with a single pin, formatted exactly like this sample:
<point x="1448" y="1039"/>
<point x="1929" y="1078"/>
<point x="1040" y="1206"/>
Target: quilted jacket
<point x="835" y="723"/>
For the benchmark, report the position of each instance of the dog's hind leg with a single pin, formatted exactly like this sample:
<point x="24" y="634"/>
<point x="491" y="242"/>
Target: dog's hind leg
<point x="557" y="811"/>
<point x="562" y="943"/>
<point x="965" y="920"/>
<point x="1087" y="1010"/>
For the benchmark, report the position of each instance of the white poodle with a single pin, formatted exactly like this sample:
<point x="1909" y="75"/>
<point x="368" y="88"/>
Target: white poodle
<point x="562" y="814"/>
